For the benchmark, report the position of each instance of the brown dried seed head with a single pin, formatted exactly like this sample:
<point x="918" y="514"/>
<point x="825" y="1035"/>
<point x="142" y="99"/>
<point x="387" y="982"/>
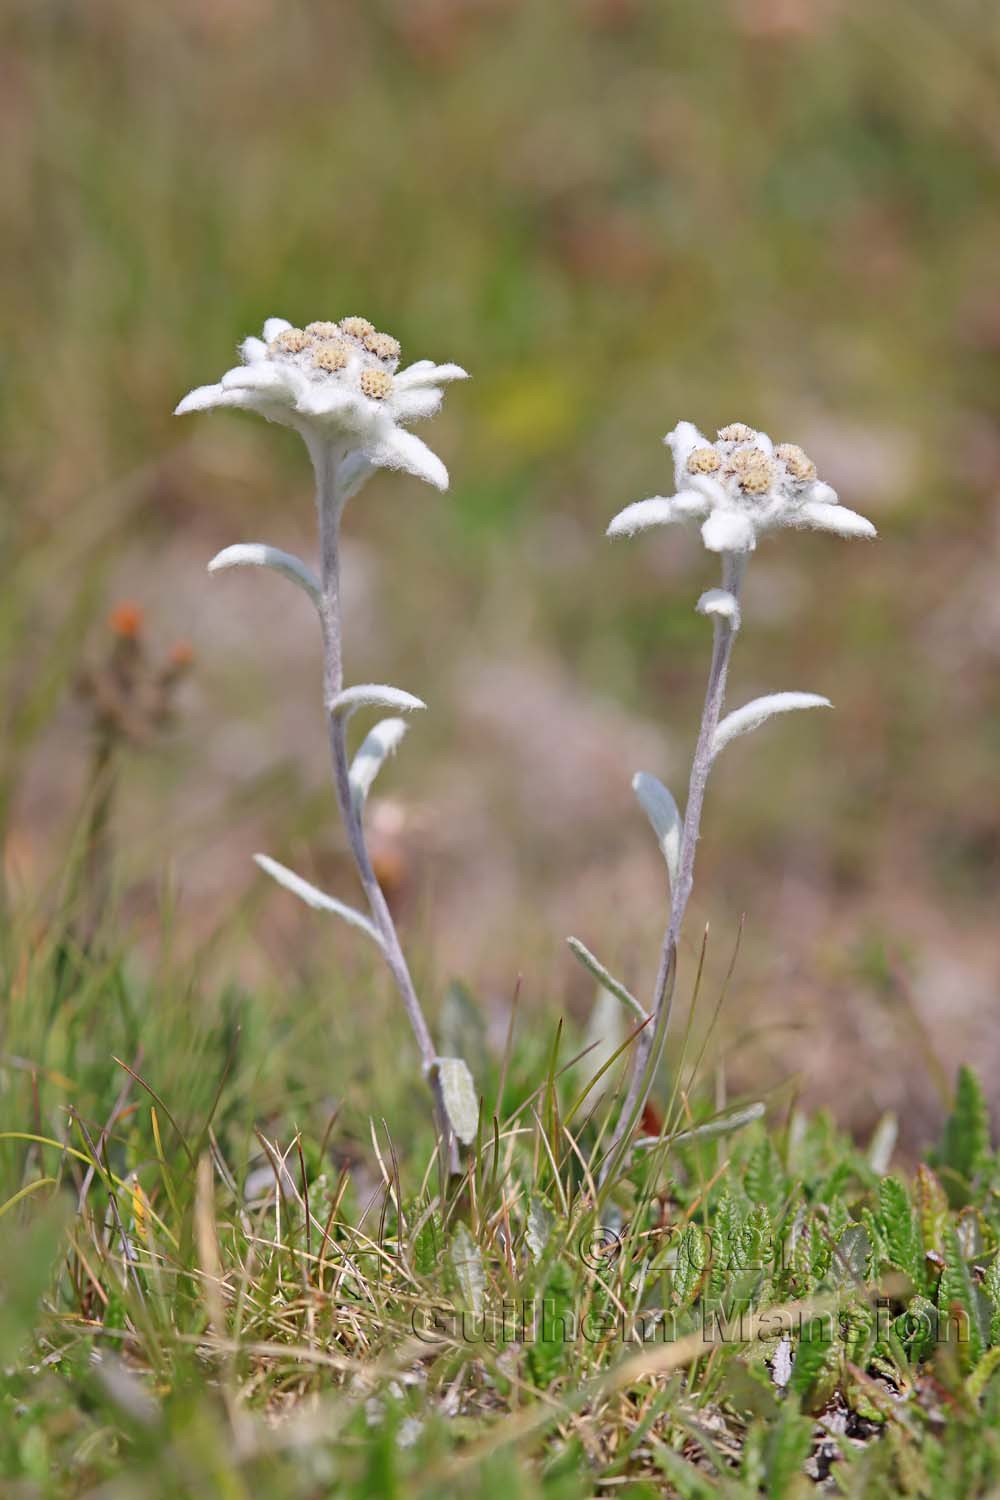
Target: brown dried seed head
<point x="753" y="470"/>
<point x="703" y="460"/>
<point x="737" y="432"/>
<point x="796" y="461"/>
<point x="290" y="341"/>
<point x="331" y="356"/>
<point x="356" y="328"/>
<point x="382" y="345"/>
<point x="323" y="330"/>
<point x="376" y="384"/>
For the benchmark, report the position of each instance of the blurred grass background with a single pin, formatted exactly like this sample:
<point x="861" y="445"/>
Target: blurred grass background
<point x="614" y="213"/>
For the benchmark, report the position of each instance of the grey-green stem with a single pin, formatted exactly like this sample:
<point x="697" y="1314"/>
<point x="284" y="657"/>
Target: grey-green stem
<point x="327" y="459"/>
<point x="651" y="1040"/>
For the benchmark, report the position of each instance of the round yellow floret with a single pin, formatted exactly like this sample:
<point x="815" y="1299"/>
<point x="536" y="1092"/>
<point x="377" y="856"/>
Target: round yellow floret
<point x="382" y="345"/>
<point x="737" y="432"/>
<point x="703" y="460"/>
<point x="796" y="461"/>
<point x="375" y="384"/>
<point x="753" y="471"/>
<point x="331" y="356"/>
<point x="356" y="328"/>
<point x="323" y="330"/>
<point x="289" y="341"/>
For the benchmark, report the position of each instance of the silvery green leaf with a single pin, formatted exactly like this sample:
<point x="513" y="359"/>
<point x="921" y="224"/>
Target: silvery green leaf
<point x="604" y="977"/>
<point x="883" y="1143"/>
<point x="752" y="715"/>
<point x="374" y="695"/>
<point x="460" y="1099"/>
<point x="366" y="765"/>
<point x="468" y="1266"/>
<point x="723" y="1125"/>
<point x="661" y="810"/>
<point x="314" y="897"/>
<point x="259" y="555"/>
<point x="606" y="1032"/>
<point x="538" y="1228"/>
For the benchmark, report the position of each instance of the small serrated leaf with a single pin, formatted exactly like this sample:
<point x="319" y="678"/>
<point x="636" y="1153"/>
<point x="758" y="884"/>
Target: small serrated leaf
<point x="966" y="1145"/>
<point x="260" y="555"/>
<point x="314" y="897"/>
<point x="665" y="820"/>
<point x="752" y="715"/>
<point x="374" y="695"/>
<point x="375" y="748"/>
<point x="458" y="1091"/>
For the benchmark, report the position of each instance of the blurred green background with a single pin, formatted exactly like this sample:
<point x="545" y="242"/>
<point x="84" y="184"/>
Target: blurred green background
<point x="615" y="214"/>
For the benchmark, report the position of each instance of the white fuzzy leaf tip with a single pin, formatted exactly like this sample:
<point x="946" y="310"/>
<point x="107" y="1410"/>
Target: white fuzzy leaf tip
<point x="260" y="555"/>
<point x="376" y="746"/>
<point x="374" y="695"/>
<point x="720" y="603"/>
<point x="314" y="897"/>
<point x="661" y="810"/>
<point x="461" y="1102"/>
<point x="752" y="715"/>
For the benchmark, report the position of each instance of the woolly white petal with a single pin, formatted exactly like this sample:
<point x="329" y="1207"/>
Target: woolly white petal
<point x="206" y="397"/>
<point x="426" y="372"/>
<point x="728" y="531"/>
<point x="411" y="404"/>
<point x="273" y="327"/>
<point x="320" y="398"/>
<point x="314" y="897"/>
<point x="722" y="603"/>
<point x="259" y="555"/>
<point x="690" y="504"/>
<point x="835" y="518"/>
<point x="661" y="810"/>
<point x="641" y="514"/>
<point x="402" y="450"/>
<point x="751" y="715"/>
<point x="823" y="492"/>
<point x="374" y="695"/>
<point x="765" y="444"/>
<point x="682" y="442"/>
<point x="253" y="350"/>
<point x="375" y="748"/>
<point x="712" y="490"/>
<point x="256" y="377"/>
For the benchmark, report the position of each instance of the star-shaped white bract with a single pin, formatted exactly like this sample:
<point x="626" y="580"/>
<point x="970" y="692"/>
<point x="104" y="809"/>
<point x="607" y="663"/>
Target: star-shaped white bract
<point x="338" y="383"/>
<point x="739" y="486"/>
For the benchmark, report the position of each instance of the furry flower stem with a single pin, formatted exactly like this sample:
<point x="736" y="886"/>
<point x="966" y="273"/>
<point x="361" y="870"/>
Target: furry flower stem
<point x="651" y="1041"/>
<point x="331" y="495"/>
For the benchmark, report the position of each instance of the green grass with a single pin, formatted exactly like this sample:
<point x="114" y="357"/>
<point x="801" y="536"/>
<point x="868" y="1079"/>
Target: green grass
<point x="172" y="1325"/>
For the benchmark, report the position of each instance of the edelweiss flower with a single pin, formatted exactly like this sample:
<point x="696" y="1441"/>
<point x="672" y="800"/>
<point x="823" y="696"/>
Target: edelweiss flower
<point x="337" y="383"/>
<point x="739" y="486"/>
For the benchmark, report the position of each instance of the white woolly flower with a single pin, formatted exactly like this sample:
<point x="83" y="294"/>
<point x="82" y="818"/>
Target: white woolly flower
<point x="337" y="383"/>
<point x="739" y="486"/>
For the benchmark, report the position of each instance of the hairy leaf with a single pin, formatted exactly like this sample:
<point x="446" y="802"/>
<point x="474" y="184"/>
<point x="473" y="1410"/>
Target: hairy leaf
<point x="375" y="748"/>
<point x="260" y="555"/>
<point x="314" y="897"/>
<point x="752" y="715"/>
<point x="661" y="810"/>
